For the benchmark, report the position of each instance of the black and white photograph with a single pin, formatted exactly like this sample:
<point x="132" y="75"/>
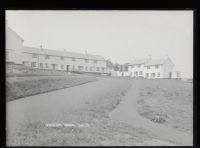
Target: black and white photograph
<point x="99" y="77"/>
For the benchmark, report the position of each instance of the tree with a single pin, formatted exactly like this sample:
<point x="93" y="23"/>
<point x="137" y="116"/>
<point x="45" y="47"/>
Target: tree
<point x="109" y="63"/>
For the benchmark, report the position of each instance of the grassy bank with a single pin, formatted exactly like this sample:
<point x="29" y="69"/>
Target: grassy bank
<point x="101" y="130"/>
<point x="19" y="87"/>
<point x="168" y="102"/>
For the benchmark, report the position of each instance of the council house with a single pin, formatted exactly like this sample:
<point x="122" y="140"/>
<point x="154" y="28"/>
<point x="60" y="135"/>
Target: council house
<point x="42" y="58"/>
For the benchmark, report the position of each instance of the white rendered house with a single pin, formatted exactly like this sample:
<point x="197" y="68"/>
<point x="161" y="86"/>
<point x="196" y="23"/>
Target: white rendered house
<point x="151" y="68"/>
<point x="159" y="68"/>
<point x="137" y="68"/>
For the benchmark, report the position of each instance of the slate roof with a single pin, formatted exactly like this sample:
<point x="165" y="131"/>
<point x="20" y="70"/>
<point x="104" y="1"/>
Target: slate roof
<point x="155" y="62"/>
<point x="62" y="53"/>
<point x="148" y="62"/>
<point x="138" y="61"/>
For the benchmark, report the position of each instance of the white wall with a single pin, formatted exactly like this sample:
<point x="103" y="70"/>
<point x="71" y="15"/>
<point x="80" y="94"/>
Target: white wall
<point x="155" y="70"/>
<point x="168" y="67"/>
<point x="13" y="46"/>
<point x="176" y="74"/>
<point x="67" y="61"/>
<point x="136" y="68"/>
<point x="126" y="73"/>
<point x="163" y="70"/>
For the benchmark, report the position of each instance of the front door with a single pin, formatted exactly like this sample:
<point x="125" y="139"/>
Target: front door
<point x="67" y="68"/>
<point x="170" y="74"/>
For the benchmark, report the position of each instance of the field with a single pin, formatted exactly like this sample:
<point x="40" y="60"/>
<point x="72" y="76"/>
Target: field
<point x="95" y="111"/>
<point x="91" y="103"/>
<point x="168" y="102"/>
<point x="19" y="87"/>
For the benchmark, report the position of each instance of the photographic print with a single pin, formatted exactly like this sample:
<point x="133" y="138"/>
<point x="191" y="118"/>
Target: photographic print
<point x="99" y="78"/>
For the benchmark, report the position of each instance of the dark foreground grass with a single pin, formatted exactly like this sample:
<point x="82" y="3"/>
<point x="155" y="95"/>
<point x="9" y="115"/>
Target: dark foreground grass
<point x="19" y="87"/>
<point x="101" y="130"/>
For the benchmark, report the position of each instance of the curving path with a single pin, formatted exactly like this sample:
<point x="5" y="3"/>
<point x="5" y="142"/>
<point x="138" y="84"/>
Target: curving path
<point x="127" y="112"/>
<point x="49" y="107"/>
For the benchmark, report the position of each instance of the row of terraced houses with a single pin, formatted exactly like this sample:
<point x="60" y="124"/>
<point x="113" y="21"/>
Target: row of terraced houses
<point x="70" y="61"/>
<point x="50" y="59"/>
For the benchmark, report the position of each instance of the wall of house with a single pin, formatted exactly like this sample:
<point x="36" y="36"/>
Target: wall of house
<point x="126" y="73"/>
<point x="176" y="74"/>
<point x="168" y="67"/>
<point x="13" y="47"/>
<point x="134" y="69"/>
<point x="154" y="70"/>
<point x="73" y="65"/>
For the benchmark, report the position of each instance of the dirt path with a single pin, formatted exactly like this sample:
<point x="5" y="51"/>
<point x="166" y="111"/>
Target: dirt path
<point x="127" y="112"/>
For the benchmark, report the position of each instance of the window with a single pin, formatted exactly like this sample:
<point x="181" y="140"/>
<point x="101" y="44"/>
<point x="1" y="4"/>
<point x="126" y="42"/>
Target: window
<point x="86" y="68"/>
<point x="41" y="65"/>
<point x="62" y="58"/>
<point x="139" y="66"/>
<point x="95" y="61"/>
<point x="136" y="73"/>
<point x="86" y="60"/>
<point x="91" y="68"/>
<point x="97" y="69"/>
<point x="33" y="64"/>
<point x="73" y="59"/>
<point x="47" y="65"/>
<point x="148" y="67"/>
<point x="47" y="57"/>
<point x="157" y="66"/>
<point x="132" y="66"/>
<point x="158" y="74"/>
<point x="34" y="55"/>
<point x="80" y="68"/>
<point x="140" y="73"/>
<point x="62" y="66"/>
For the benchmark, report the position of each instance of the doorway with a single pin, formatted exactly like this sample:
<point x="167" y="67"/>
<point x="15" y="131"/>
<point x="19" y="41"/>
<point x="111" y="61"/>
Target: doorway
<point x="170" y="75"/>
<point x="67" y="68"/>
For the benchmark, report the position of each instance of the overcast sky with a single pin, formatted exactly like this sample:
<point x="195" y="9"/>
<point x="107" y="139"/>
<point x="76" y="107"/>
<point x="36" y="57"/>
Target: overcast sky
<point x="116" y="35"/>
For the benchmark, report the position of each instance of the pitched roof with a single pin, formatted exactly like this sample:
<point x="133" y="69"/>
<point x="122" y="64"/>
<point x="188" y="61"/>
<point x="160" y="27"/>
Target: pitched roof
<point x="138" y="61"/>
<point x="155" y="62"/>
<point x="62" y="53"/>
<point x="13" y="32"/>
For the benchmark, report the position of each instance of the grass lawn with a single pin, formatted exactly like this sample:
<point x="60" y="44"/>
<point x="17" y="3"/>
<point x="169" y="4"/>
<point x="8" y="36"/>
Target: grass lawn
<point x="169" y="100"/>
<point x="101" y="130"/>
<point x="19" y="87"/>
